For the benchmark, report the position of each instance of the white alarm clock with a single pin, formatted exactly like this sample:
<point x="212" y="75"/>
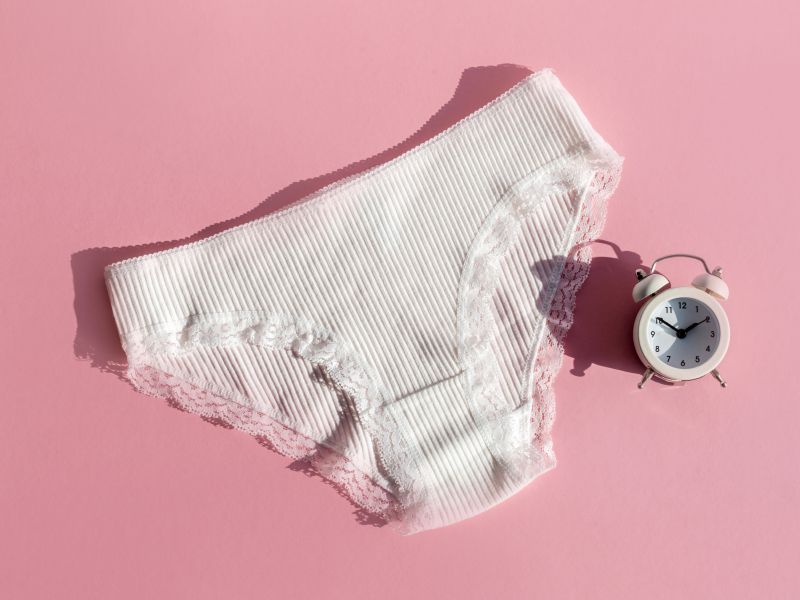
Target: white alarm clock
<point x="681" y="333"/>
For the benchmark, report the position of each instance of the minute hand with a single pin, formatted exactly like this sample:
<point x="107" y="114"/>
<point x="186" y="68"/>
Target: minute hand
<point x="663" y="322"/>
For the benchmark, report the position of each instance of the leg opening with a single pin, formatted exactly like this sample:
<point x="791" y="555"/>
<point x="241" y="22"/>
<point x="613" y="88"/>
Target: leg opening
<point x="283" y="381"/>
<point x="517" y="298"/>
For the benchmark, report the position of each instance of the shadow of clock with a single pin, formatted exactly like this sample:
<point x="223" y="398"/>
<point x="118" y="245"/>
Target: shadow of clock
<point x="602" y="330"/>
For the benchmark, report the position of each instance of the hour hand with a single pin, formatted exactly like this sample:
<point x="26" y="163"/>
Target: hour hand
<point x="663" y="322"/>
<point x="693" y="325"/>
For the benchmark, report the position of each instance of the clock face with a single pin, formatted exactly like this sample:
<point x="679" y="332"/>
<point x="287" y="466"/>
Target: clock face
<point x="683" y="332"/>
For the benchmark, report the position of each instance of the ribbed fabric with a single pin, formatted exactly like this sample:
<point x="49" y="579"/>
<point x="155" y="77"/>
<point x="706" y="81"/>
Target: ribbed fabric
<point x="393" y="319"/>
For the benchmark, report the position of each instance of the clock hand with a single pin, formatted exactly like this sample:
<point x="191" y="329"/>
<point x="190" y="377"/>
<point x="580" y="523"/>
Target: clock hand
<point x="663" y="322"/>
<point x="693" y="325"/>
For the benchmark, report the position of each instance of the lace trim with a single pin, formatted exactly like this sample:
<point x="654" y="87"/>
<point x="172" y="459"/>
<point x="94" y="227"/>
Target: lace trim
<point x="560" y="318"/>
<point x="342" y="369"/>
<point x="524" y="445"/>
<point x="377" y="505"/>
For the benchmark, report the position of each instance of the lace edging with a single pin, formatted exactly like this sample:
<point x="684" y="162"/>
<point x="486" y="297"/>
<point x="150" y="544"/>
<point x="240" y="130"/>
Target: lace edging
<point x="303" y="339"/>
<point x="562" y="310"/>
<point x="524" y="446"/>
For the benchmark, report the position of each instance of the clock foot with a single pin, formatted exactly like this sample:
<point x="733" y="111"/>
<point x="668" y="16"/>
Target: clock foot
<point x="719" y="378"/>
<point x="647" y="375"/>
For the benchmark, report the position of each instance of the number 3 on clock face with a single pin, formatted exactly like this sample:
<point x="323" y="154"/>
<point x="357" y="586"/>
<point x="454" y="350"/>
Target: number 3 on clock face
<point x="682" y="333"/>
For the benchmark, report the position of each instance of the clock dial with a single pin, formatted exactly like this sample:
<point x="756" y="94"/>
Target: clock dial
<point x="683" y="332"/>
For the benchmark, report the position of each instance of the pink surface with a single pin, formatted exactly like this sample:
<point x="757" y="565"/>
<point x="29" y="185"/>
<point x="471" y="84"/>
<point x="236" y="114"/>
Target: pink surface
<point x="126" y="124"/>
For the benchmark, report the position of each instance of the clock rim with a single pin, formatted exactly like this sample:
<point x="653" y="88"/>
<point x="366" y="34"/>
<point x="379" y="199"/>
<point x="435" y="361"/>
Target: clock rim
<point x="648" y="356"/>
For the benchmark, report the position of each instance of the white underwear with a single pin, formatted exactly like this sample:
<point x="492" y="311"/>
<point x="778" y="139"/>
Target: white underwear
<point x="400" y="329"/>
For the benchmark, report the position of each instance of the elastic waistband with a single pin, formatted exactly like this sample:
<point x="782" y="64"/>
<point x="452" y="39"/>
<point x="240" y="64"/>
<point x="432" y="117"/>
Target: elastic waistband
<point x="534" y="122"/>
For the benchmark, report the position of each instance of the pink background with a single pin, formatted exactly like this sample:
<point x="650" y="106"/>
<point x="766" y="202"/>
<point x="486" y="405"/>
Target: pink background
<point x="127" y="127"/>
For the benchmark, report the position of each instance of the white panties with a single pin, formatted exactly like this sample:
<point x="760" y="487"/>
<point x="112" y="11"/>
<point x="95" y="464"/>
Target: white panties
<point x="400" y="329"/>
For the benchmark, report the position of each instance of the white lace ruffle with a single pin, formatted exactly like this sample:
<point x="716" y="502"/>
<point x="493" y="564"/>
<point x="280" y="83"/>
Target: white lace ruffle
<point x="218" y="407"/>
<point x="320" y="347"/>
<point x="519" y="436"/>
